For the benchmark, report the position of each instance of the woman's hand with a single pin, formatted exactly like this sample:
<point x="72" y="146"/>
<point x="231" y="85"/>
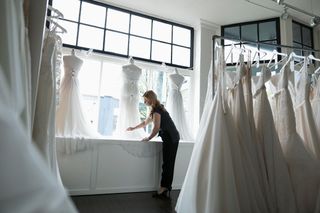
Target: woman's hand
<point x="130" y="128"/>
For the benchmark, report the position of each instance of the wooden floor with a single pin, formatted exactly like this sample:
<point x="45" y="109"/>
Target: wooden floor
<point x="141" y="202"/>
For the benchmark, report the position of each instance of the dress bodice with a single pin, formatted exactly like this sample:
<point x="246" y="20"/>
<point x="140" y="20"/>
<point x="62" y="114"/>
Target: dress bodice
<point x="72" y="65"/>
<point x="130" y="75"/>
<point x="131" y="72"/>
<point x="175" y="81"/>
<point x="302" y="87"/>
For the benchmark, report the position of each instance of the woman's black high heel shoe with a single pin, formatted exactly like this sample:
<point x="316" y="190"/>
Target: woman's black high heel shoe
<point x="162" y="195"/>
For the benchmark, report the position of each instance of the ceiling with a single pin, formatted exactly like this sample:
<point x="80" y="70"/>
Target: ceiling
<point x="220" y="12"/>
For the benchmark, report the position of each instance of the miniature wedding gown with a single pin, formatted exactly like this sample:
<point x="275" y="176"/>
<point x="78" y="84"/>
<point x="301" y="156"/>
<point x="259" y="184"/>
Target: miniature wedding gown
<point x="278" y="178"/>
<point x="305" y="124"/>
<point x="175" y="106"/>
<point x="129" y="114"/>
<point x="70" y="119"/>
<point x="304" y="170"/>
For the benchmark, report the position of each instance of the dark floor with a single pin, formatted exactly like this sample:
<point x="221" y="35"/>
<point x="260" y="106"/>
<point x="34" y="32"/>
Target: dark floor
<point x="141" y="202"/>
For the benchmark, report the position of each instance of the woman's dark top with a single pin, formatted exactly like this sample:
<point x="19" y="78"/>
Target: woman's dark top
<point x="167" y="126"/>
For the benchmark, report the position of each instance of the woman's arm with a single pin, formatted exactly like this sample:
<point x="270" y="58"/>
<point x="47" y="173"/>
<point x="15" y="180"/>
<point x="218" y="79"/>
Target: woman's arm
<point x="156" y="126"/>
<point x="141" y="125"/>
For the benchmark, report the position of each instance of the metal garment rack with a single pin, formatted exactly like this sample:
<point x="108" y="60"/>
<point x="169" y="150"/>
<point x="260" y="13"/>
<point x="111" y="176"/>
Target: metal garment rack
<point x="215" y="37"/>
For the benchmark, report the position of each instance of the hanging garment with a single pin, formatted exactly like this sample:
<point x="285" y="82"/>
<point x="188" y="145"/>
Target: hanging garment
<point x="175" y="107"/>
<point x="258" y="200"/>
<point x="305" y="124"/>
<point x="315" y="103"/>
<point x="304" y="170"/>
<point x="210" y="185"/>
<point x="278" y="179"/>
<point x="71" y="121"/>
<point x="129" y="114"/>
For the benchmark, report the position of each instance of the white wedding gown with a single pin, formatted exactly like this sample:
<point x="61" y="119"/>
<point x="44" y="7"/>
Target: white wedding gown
<point x="303" y="168"/>
<point x="129" y="114"/>
<point x="306" y="126"/>
<point x="278" y="179"/>
<point x="71" y="121"/>
<point x="175" y="107"/>
<point x="315" y="103"/>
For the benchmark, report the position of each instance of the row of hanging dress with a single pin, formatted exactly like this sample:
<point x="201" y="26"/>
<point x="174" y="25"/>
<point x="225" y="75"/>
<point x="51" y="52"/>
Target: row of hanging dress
<point x="272" y="171"/>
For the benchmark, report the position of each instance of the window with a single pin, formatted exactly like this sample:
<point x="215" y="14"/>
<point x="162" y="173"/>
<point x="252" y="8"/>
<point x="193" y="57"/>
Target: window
<point x="264" y="31"/>
<point x="302" y="37"/>
<point x="115" y="31"/>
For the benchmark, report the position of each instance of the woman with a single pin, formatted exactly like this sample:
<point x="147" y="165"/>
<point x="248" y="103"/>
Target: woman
<point x="163" y="124"/>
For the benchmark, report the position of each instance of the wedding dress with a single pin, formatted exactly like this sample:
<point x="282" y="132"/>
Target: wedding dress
<point x="278" y="178"/>
<point x="175" y="107"/>
<point x="211" y="185"/>
<point x="129" y="114"/>
<point x="315" y="103"/>
<point x="305" y="124"/>
<point x="71" y="121"/>
<point x="304" y="170"/>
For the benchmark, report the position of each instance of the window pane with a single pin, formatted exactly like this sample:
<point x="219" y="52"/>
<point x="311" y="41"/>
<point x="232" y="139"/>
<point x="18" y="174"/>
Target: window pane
<point x="181" y="56"/>
<point x="249" y="32"/>
<point x="116" y="42"/>
<point x="161" y="31"/>
<point x="71" y="36"/>
<point x="89" y="76"/>
<point x="65" y="8"/>
<point x="267" y="31"/>
<point x="93" y="14"/>
<point x="268" y="49"/>
<point x="139" y="47"/>
<point x="298" y="52"/>
<point x="117" y="20"/>
<point x="232" y="32"/>
<point x="296" y="32"/>
<point x="181" y="36"/>
<point x="140" y="26"/>
<point x="306" y="35"/>
<point x="161" y="52"/>
<point x="85" y="37"/>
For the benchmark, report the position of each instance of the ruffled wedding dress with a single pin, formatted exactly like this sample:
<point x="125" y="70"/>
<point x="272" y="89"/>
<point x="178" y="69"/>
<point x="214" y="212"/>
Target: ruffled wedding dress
<point x="71" y="121"/>
<point x="278" y="179"/>
<point x="304" y="170"/>
<point x="129" y="114"/>
<point x="305" y="124"/>
<point x="175" y="107"/>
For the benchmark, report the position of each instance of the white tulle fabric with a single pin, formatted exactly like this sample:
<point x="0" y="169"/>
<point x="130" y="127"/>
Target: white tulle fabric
<point x="211" y="184"/>
<point x="305" y="124"/>
<point x="278" y="183"/>
<point x="129" y="103"/>
<point x="304" y="170"/>
<point x="71" y="121"/>
<point x="315" y="103"/>
<point x="175" y="106"/>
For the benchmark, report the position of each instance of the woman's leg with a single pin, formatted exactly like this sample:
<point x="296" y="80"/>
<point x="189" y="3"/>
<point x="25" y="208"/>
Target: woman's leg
<point x="169" y="153"/>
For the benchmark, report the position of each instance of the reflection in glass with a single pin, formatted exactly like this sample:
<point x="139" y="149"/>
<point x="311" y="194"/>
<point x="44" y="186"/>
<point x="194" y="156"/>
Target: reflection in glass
<point x="140" y="26"/>
<point x="65" y="8"/>
<point x="296" y="32"/>
<point x="71" y="36"/>
<point x="93" y="14"/>
<point x="306" y="36"/>
<point x="232" y="32"/>
<point x="181" y="56"/>
<point x="116" y="42"/>
<point x="249" y="32"/>
<point x="87" y="33"/>
<point x="267" y="31"/>
<point x="161" y="52"/>
<point x="161" y="31"/>
<point x="181" y="36"/>
<point x="139" y="47"/>
<point x="117" y="20"/>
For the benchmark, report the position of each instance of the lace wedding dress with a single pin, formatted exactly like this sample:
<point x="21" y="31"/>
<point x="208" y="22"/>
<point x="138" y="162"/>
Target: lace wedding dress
<point x="175" y="107"/>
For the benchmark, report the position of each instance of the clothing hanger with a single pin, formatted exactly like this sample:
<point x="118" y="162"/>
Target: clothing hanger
<point x="56" y="25"/>
<point x="276" y="53"/>
<point x="258" y="54"/>
<point x="58" y="14"/>
<point x="311" y="57"/>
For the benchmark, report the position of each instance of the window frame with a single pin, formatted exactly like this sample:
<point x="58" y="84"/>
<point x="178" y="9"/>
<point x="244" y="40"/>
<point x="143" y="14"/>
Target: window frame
<point x="151" y="39"/>
<point x="304" y="46"/>
<point x="258" y="46"/>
